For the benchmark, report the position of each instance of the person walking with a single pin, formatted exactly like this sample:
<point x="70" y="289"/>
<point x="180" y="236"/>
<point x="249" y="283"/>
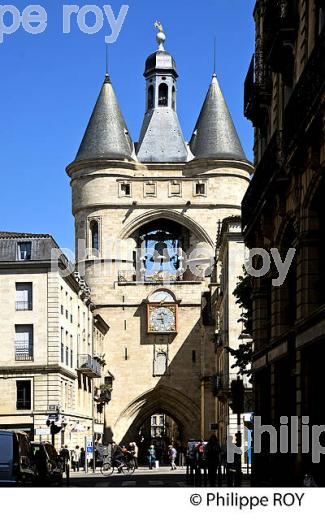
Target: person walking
<point x="76" y="458"/>
<point x="151" y="456"/>
<point x="135" y="453"/>
<point x="172" y="454"/>
<point x="212" y="453"/>
<point x="82" y="458"/>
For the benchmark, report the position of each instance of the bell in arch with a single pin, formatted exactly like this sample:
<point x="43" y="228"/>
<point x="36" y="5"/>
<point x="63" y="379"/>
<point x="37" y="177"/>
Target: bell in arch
<point x="161" y="253"/>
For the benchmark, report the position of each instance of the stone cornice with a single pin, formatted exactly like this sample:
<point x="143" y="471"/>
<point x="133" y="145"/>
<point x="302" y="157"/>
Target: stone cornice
<point x="36" y="369"/>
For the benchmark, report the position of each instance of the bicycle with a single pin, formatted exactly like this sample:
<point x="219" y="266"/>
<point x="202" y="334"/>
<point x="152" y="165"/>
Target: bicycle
<point x="125" y="467"/>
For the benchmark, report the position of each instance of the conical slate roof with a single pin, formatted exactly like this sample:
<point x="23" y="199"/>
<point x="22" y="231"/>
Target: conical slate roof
<point x="106" y="136"/>
<point x="215" y="136"/>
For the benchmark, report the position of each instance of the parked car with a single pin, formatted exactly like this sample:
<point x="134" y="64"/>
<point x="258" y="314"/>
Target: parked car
<point x="49" y="465"/>
<point x="17" y="465"/>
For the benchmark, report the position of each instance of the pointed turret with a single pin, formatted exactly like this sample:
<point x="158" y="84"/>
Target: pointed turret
<point x="161" y="138"/>
<point x="215" y="136"/>
<point x="106" y="136"/>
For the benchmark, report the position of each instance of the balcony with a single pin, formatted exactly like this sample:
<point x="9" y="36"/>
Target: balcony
<point x="88" y="366"/>
<point x="24" y="351"/>
<point x="306" y="97"/>
<point x="24" y="305"/>
<point x="103" y="394"/>
<point x="126" y="277"/>
<point x="269" y="167"/>
<point x="280" y="28"/>
<point x="257" y="88"/>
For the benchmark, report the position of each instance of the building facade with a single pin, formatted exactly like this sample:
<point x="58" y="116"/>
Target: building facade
<point x="145" y="224"/>
<point x="230" y="259"/>
<point x="283" y="210"/>
<point x="52" y="344"/>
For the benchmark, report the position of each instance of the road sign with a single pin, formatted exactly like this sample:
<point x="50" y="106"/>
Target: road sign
<point x="42" y="431"/>
<point x="89" y="449"/>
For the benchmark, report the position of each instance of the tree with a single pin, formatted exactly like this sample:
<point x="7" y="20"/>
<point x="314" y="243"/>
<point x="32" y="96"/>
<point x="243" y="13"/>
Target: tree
<point x="243" y="354"/>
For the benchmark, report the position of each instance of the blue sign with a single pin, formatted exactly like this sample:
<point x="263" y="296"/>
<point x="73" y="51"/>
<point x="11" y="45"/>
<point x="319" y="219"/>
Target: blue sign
<point x="89" y="449"/>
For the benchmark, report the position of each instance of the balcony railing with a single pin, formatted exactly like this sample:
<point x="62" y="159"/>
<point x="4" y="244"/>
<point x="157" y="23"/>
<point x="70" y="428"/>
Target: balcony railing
<point x="306" y="95"/>
<point x="158" y="277"/>
<point x="258" y="87"/>
<point x="89" y="366"/>
<point x="24" y="305"/>
<point x="279" y="31"/>
<point x="23" y="351"/>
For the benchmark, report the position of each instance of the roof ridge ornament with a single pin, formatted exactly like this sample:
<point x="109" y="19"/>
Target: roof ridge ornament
<point x="161" y="37"/>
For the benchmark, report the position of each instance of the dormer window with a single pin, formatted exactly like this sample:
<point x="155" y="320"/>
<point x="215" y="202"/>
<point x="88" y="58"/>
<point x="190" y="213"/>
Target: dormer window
<point x="163" y="95"/>
<point x="24" y="250"/>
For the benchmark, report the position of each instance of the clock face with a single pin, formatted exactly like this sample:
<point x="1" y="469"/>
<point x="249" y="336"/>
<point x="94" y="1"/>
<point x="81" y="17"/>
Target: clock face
<point x="162" y="319"/>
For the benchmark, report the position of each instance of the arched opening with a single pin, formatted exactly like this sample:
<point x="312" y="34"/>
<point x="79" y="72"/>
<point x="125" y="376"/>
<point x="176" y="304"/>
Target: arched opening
<point x="151" y="96"/>
<point x="174" y="98"/>
<point x="94" y="235"/>
<point x="159" y="430"/>
<point x="163" y="95"/>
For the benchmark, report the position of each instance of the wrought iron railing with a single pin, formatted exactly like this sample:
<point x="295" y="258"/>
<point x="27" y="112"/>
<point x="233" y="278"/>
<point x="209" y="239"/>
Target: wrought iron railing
<point x="24" y="305"/>
<point x="24" y="351"/>
<point x="89" y="366"/>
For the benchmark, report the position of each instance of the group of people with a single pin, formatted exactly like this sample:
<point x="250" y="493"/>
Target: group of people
<point x="122" y="454"/>
<point x="152" y="457"/>
<point x="76" y="456"/>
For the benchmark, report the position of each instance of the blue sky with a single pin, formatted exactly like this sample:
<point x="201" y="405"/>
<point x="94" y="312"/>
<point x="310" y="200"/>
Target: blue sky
<point x="50" y="82"/>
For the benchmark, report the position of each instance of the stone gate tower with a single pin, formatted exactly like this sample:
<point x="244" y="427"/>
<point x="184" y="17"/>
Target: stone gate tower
<point x="146" y="218"/>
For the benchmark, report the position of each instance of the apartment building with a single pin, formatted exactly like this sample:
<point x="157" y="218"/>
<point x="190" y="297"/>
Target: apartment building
<point x="52" y="369"/>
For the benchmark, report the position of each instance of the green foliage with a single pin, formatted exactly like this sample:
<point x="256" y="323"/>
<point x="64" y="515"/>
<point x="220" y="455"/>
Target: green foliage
<point x="243" y="354"/>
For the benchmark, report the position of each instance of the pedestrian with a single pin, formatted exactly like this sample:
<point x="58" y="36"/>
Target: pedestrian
<point x="135" y="452"/>
<point x="65" y="457"/>
<point x="172" y="454"/>
<point x="82" y="458"/>
<point x="212" y="453"/>
<point x="77" y="458"/>
<point x="151" y="456"/>
<point x="181" y="456"/>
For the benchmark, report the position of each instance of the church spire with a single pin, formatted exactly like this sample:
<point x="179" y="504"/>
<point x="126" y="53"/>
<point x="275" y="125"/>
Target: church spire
<point x="215" y="136"/>
<point x="161" y="138"/>
<point x="106" y="136"/>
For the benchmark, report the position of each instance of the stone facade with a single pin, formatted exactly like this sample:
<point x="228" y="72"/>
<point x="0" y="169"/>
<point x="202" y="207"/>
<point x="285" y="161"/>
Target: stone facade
<point x="283" y="209"/>
<point x="124" y="200"/>
<point x="49" y="333"/>
<point x="230" y="258"/>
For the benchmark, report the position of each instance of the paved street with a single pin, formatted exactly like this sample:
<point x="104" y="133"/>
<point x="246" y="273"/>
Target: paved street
<point x="143" y="477"/>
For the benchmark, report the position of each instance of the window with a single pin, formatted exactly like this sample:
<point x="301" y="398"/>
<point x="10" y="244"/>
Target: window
<point x="24" y="342"/>
<point x="174" y="98"/>
<point x="24" y="395"/>
<point x="125" y="189"/>
<point x="62" y="345"/>
<point x="71" y="358"/>
<point x="154" y="420"/>
<point x="24" y="296"/>
<point x="160" y="364"/>
<point x="24" y="250"/>
<point x="200" y="188"/>
<point x="163" y="95"/>
<point x="175" y="189"/>
<point x="150" y="189"/>
<point x="94" y="234"/>
<point x="151" y="97"/>
<point x="67" y="356"/>
<point x="193" y="356"/>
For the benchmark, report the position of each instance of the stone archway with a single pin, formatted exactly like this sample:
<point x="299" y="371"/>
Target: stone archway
<point x="170" y="401"/>
<point x="169" y="214"/>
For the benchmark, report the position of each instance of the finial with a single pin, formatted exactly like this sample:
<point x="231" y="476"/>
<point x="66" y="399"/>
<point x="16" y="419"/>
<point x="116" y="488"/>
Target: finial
<point x="214" y="56"/>
<point x="161" y="37"/>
